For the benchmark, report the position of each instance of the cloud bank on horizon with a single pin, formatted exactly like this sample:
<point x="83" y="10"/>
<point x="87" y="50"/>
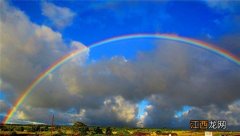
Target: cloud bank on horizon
<point x="107" y="91"/>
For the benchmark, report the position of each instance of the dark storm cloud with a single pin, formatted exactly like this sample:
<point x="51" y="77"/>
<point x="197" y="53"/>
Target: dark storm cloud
<point x="213" y="112"/>
<point x="165" y="116"/>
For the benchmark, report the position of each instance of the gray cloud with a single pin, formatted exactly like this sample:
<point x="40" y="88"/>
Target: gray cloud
<point x="60" y="16"/>
<point x="26" y="50"/>
<point x="169" y="77"/>
<point x="4" y="106"/>
<point x="164" y="116"/>
<point x="231" y="42"/>
<point x="213" y="112"/>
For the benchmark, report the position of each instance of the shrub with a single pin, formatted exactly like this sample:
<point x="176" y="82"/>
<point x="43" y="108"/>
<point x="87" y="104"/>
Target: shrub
<point x="4" y="128"/>
<point x="123" y="132"/>
<point x="98" y="130"/>
<point x="35" y="128"/>
<point x="60" y="133"/>
<point x="158" y="132"/>
<point x="13" y="133"/>
<point x="20" y="128"/>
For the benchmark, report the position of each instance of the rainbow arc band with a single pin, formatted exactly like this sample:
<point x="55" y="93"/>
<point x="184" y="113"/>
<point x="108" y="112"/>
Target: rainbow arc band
<point x="61" y="61"/>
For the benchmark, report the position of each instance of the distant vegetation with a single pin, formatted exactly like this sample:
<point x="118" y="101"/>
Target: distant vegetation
<point x="81" y="129"/>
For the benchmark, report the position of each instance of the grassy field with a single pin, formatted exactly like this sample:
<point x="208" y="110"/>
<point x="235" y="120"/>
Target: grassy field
<point x="43" y="130"/>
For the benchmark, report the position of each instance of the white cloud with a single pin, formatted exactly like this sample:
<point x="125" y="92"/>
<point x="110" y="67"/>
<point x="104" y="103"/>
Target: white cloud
<point x="141" y="120"/>
<point x="124" y="110"/>
<point x="21" y="115"/>
<point x="82" y="57"/>
<point x="227" y="5"/>
<point x="60" y="16"/>
<point x="48" y="34"/>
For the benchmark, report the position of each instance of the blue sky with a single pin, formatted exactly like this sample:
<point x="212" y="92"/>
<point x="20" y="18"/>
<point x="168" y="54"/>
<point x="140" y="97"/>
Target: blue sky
<point x="153" y="85"/>
<point x="95" y="21"/>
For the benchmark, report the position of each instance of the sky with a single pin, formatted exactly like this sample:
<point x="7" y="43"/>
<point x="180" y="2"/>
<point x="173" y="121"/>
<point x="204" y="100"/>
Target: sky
<point x="133" y="82"/>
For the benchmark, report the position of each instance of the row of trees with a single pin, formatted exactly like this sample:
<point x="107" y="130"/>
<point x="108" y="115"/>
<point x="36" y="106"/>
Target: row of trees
<point x="84" y="129"/>
<point x="33" y="128"/>
<point x="97" y="130"/>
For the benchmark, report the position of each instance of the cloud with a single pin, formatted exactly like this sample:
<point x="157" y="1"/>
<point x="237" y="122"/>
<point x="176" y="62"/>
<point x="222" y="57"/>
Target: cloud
<point x="228" y="25"/>
<point x="61" y="17"/>
<point x="159" y="116"/>
<point x="27" y="49"/>
<point x="228" y="21"/>
<point x="230" y="42"/>
<point x="169" y="77"/>
<point x="213" y="112"/>
<point x="114" y="111"/>
<point x="124" y="110"/>
<point x="220" y="5"/>
<point x="142" y="119"/>
<point x="4" y="106"/>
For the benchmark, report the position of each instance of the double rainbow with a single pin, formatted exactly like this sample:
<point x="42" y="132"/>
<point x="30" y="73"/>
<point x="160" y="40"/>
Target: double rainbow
<point x="69" y="56"/>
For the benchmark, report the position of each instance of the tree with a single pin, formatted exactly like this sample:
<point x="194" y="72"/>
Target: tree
<point x="46" y="128"/>
<point x="77" y="126"/>
<point x="84" y="130"/>
<point x="35" y="128"/>
<point x="108" y="131"/>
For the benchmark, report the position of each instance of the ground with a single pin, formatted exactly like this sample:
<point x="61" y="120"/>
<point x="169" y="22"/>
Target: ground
<point x="69" y="130"/>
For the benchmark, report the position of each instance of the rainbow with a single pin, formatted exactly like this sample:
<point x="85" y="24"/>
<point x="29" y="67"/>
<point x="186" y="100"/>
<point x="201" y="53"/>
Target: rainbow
<point x="69" y="56"/>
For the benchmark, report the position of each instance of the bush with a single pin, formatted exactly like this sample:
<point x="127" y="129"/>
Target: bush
<point x="9" y="128"/>
<point x="123" y="132"/>
<point x="42" y="129"/>
<point x="20" y="128"/>
<point x="98" y="130"/>
<point x="13" y="133"/>
<point x="29" y="129"/>
<point x="4" y="128"/>
<point x="35" y="128"/>
<point x="158" y="132"/>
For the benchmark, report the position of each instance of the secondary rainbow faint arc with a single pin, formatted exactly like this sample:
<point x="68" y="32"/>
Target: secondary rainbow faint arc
<point x="69" y="56"/>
